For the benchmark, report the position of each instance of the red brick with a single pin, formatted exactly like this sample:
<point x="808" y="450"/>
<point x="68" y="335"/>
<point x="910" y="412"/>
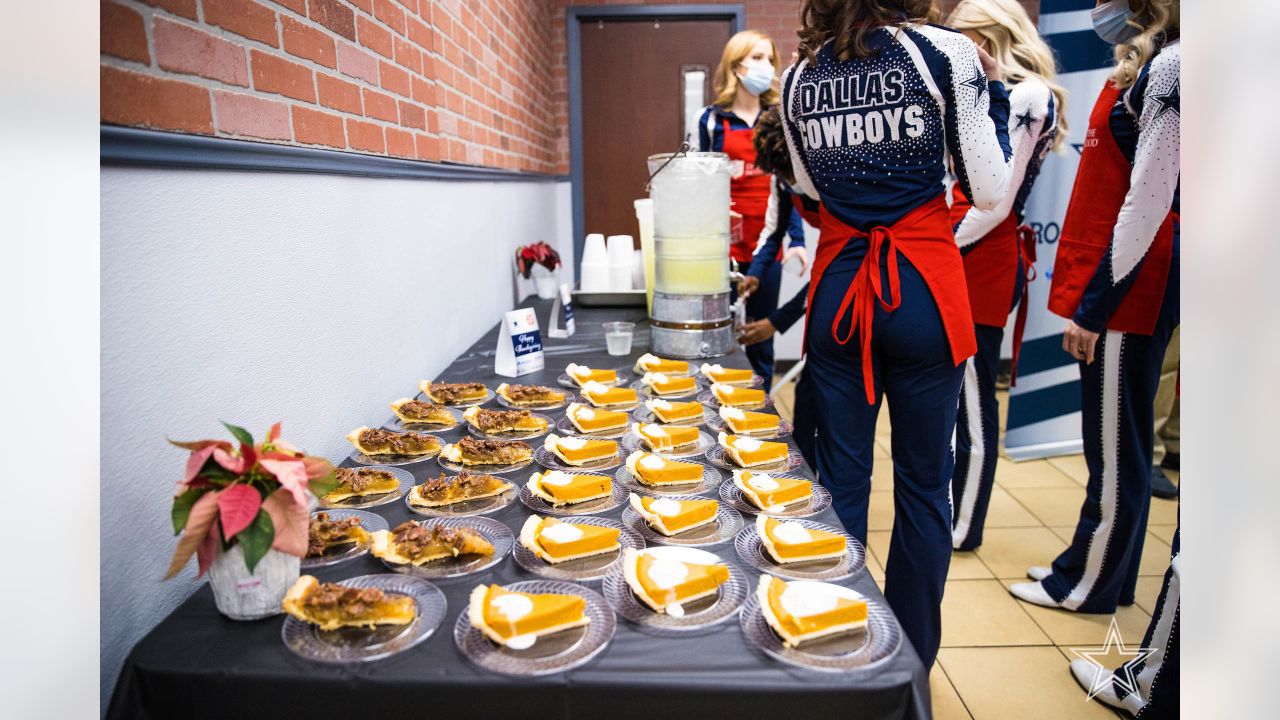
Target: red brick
<point x="182" y="48"/>
<point x="420" y="33"/>
<point x="374" y="36"/>
<point x="244" y="17"/>
<point x="412" y="5"/>
<point x="365" y="5"/>
<point x="307" y="42"/>
<point x="336" y="93"/>
<point x="379" y="105"/>
<point x="423" y="91"/>
<point x="428" y="147"/>
<point x="394" y="79"/>
<point x="335" y="16"/>
<point x="365" y="136"/>
<point x="457" y="151"/>
<point x="240" y="114"/>
<point x="357" y="63"/>
<point x="389" y="13"/>
<point x="413" y="115"/>
<point x="276" y="75"/>
<point x="408" y="55"/>
<point x="400" y="142"/>
<point x="185" y="8"/>
<point x="122" y="32"/>
<point x="298" y="6"/>
<point x="129" y="98"/>
<point x="314" y="127"/>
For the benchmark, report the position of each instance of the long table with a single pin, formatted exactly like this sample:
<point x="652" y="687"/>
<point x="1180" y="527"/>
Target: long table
<point x="198" y="664"/>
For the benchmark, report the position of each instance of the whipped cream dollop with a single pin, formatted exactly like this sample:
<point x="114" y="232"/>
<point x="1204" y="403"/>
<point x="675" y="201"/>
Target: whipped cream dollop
<point x="717" y="368"/>
<point x="584" y="413"/>
<point x="666" y="573"/>
<point x="654" y="430"/>
<point x="646" y="359"/>
<point x="747" y="444"/>
<point x="792" y="532"/>
<point x="651" y="462"/>
<point x="802" y="599"/>
<point x="659" y="404"/>
<point x="512" y="607"/>
<point x="763" y="482"/>
<point x="571" y="443"/>
<point x="562" y="532"/>
<point x="557" y="478"/>
<point x="594" y="387"/>
<point x="665" y="506"/>
<point x="732" y="413"/>
<point x="577" y="370"/>
<point x="656" y="378"/>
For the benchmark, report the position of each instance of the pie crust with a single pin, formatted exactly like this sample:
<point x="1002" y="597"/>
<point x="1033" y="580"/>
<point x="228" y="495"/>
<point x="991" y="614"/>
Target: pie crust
<point x="453" y="393"/>
<point x="669" y="437"/>
<point x="417" y="411"/>
<point x="655" y="470"/>
<point x="441" y="491"/>
<point x="737" y="396"/>
<point x="529" y="394"/>
<point x="745" y="421"/>
<point x="556" y="541"/>
<point x="605" y="396"/>
<point x="330" y="606"/>
<point x="670" y="412"/>
<point x="580" y="451"/>
<point x="589" y="420"/>
<point x="495" y="422"/>
<point x="672" y="517"/>
<point x="817" y="610"/>
<point x="583" y="375"/>
<point x="561" y="488"/>
<point x="663" y="384"/>
<point x="750" y="452"/>
<point x="729" y="376"/>
<point x="767" y="492"/>
<point x="787" y="541"/>
<point x="666" y="587"/>
<point x="518" y="622"/>
<point x="652" y="363"/>
<point x="376" y="441"/>
<point x="475" y="451"/>
<point x="411" y="543"/>
<point x="358" y="482"/>
<point x="324" y="533"/>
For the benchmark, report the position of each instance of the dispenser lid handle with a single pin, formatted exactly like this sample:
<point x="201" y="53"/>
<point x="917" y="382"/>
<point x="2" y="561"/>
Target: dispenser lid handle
<point x="683" y="149"/>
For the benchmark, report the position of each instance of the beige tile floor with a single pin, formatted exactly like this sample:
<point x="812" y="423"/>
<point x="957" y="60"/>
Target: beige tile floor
<point x="1000" y="657"/>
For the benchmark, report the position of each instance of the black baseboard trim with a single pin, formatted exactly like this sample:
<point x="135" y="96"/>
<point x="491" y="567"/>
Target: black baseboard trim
<point x="135" y="147"/>
<point x="780" y="367"/>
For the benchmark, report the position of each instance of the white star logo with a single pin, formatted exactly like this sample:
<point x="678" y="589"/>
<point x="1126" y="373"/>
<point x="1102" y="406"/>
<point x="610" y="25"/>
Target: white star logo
<point x="1103" y="675"/>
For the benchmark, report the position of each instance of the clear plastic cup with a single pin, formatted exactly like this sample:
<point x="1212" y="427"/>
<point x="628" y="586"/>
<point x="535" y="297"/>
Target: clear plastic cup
<point x="617" y="337"/>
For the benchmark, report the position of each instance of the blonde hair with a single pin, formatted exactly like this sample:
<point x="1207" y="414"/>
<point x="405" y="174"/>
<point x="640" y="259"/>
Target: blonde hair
<point x="1016" y="46"/>
<point x="1157" y="22"/>
<point x="735" y="51"/>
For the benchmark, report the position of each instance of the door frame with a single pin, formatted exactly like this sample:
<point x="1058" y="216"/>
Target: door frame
<point x="735" y="13"/>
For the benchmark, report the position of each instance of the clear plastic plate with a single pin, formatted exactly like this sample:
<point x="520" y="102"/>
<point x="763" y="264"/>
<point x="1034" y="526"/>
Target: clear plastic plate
<point x="716" y="424"/>
<point x="710" y="479"/>
<point x="495" y="532"/>
<point x="488" y="395"/>
<point x="551" y="653"/>
<point x="709" y="399"/>
<point x="395" y="424"/>
<point x="458" y="467"/>
<point x="632" y="442"/>
<point x="582" y="400"/>
<point x="466" y="508"/>
<point x="354" y="645"/>
<point x="646" y="390"/>
<point x="519" y="435"/>
<point x="817" y="502"/>
<point x="723" y="529"/>
<point x="553" y="405"/>
<point x="547" y="459"/>
<point x="618" y="495"/>
<point x="565" y="425"/>
<point x="584" y="569"/>
<point x="747" y="544"/>
<point x="700" y="616"/>
<point x="716" y="456"/>
<point x="368" y="501"/>
<point x="645" y="415"/>
<point x="855" y="650"/>
<point x="625" y="376"/>
<point x="371" y="522"/>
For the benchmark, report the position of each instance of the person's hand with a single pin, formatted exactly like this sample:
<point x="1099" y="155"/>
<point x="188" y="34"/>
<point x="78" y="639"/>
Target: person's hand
<point x="754" y="332"/>
<point x="747" y="285"/>
<point x="1079" y="343"/>
<point x="797" y="252"/>
<point x="989" y="65"/>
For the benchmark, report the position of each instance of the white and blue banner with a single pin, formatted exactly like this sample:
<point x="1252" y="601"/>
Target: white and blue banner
<point x="519" y="344"/>
<point x="1044" y="407"/>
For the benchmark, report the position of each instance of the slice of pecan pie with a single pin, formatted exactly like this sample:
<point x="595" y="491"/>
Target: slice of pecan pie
<point x="412" y="543"/>
<point x="437" y="492"/>
<point x="361" y="482"/>
<point x="474" y="451"/>
<point x="496" y="422"/>
<point x="415" y="411"/>
<point x="453" y="393"/>
<point x="529" y="394"/>
<point x="376" y="441"/>
<point x="325" y="533"/>
<point x="331" y="606"/>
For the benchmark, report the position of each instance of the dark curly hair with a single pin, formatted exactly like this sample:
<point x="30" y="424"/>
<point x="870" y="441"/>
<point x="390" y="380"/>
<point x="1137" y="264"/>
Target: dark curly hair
<point x="847" y="22"/>
<point x="772" y="154"/>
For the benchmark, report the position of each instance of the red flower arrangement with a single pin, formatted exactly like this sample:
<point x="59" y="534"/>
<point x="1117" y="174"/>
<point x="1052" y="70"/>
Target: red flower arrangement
<point x="538" y="253"/>
<point x="254" y="495"/>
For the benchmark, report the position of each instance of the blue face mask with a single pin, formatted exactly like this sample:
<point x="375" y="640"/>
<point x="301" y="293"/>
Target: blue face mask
<point x="1109" y="21"/>
<point x="759" y="77"/>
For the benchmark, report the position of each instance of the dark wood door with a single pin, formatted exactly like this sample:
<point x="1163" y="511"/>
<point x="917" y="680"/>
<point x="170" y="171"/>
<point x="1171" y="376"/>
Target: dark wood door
<point x="633" y="106"/>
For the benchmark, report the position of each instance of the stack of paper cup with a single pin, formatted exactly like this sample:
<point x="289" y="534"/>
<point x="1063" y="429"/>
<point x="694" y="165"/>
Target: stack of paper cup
<point x="595" y="264"/>
<point x="621" y="257"/>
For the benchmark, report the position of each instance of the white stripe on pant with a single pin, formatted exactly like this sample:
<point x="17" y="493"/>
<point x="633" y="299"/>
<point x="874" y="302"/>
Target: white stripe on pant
<point x="977" y="453"/>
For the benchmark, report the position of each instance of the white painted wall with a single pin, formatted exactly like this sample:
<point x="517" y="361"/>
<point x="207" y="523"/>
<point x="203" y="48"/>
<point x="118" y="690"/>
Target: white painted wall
<point x="787" y="345"/>
<point x="256" y="297"/>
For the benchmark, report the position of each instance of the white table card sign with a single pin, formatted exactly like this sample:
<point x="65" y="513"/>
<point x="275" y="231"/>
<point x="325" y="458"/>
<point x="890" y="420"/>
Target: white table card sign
<point x="519" y="344"/>
<point x="561" y="325"/>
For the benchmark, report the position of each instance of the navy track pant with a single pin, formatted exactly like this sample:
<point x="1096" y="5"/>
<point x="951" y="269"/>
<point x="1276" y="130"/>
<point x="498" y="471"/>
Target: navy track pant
<point x="913" y="369"/>
<point x="762" y="303"/>
<point x="1154" y="679"/>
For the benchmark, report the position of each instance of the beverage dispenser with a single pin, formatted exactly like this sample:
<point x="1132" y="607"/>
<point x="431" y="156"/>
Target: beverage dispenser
<point x="690" y="316"/>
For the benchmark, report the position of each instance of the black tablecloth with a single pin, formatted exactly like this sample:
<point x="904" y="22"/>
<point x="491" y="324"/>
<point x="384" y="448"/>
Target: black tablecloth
<point x="198" y="664"/>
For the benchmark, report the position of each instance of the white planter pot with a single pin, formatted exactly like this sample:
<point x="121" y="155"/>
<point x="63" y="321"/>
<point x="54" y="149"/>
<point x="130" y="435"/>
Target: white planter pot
<point x="244" y="596"/>
<point x="545" y="282"/>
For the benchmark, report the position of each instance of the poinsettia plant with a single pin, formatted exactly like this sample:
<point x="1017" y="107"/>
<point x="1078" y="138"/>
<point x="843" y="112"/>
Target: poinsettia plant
<point x="538" y="253"/>
<point x="253" y="495"/>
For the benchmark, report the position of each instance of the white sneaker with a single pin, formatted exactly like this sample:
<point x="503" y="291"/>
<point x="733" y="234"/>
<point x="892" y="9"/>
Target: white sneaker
<point x="1034" y="593"/>
<point x="1086" y="674"/>
<point x="1039" y="572"/>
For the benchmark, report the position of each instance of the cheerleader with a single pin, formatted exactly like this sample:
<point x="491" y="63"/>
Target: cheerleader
<point x="873" y="110"/>
<point x="992" y="245"/>
<point x="1116" y="280"/>
<point x="744" y="89"/>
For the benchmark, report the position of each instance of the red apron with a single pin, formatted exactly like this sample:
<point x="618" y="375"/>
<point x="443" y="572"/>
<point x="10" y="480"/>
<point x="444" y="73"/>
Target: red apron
<point x="749" y="191"/>
<point x="810" y="214"/>
<point x="991" y="271"/>
<point x="1102" y="181"/>
<point x="924" y="237"/>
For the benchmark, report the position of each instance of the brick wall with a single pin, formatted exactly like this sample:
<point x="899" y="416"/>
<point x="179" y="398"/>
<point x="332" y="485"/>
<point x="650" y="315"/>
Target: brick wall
<point x="481" y="82"/>
<point x="425" y="79"/>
